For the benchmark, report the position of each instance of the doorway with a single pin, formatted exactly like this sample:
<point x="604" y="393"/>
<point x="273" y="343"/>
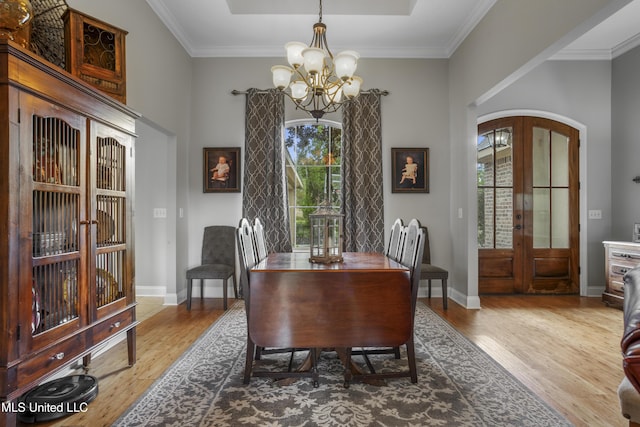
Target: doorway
<point x="528" y="206"/>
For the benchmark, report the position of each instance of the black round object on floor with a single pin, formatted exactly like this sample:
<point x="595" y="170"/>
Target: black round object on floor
<point x="57" y="398"/>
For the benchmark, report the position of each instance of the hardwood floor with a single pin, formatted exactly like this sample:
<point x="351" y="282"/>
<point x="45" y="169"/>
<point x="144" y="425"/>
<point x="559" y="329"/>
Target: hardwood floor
<point x="565" y="349"/>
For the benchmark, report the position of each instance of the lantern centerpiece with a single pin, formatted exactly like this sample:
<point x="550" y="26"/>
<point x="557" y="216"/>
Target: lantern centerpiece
<point x="326" y="234"/>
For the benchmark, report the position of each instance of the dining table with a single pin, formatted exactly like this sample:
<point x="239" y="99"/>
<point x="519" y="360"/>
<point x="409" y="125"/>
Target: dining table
<point x="363" y="301"/>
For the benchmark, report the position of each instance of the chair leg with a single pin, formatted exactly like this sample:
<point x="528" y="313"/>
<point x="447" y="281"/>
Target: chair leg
<point x="235" y="286"/>
<point x="201" y="288"/>
<point x="224" y="293"/>
<point x="411" y="358"/>
<point x="189" y="288"/>
<point x="429" y="282"/>
<point x="248" y="362"/>
<point x="444" y="293"/>
<point x="347" y="367"/>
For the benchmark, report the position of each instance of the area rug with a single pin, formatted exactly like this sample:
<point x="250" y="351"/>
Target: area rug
<point x="458" y="385"/>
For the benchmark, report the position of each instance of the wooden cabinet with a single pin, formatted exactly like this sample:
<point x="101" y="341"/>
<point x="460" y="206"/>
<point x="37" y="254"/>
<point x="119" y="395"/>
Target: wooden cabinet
<point x="95" y="52"/>
<point x="66" y="221"/>
<point x="620" y="257"/>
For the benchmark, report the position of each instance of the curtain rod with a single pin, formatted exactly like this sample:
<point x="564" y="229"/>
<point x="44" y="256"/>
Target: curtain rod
<point x="244" y="92"/>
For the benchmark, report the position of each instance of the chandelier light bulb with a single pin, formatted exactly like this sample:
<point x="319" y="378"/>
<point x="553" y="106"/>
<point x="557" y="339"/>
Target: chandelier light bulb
<point x="281" y="76"/>
<point x="299" y="91"/>
<point x="351" y="88"/>
<point x="346" y="63"/>
<point x="294" y="53"/>
<point x="313" y="60"/>
<point x="334" y="93"/>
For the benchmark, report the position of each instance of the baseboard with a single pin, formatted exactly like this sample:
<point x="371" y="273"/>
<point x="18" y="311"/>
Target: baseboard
<point x="595" y="291"/>
<point x="151" y="291"/>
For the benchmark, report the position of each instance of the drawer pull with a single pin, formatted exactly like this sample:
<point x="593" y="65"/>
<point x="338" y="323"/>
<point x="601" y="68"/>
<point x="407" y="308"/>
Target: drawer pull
<point x="58" y="356"/>
<point x="624" y="255"/>
<point x="115" y="325"/>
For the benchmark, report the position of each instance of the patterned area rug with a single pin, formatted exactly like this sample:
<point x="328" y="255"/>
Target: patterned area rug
<point x="458" y="385"/>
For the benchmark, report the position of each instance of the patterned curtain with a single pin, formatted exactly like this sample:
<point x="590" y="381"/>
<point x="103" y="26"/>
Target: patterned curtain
<point x="265" y="187"/>
<point x="362" y="174"/>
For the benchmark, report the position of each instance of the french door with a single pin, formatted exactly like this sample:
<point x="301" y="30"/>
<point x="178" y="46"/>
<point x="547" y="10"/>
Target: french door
<point x="528" y="206"/>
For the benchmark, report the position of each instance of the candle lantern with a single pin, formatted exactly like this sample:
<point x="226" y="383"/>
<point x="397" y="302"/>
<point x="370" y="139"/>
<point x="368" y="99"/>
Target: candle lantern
<point x="326" y="235"/>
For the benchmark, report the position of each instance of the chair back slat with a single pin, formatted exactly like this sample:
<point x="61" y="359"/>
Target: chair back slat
<point x="393" y="247"/>
<point x="410" y="244"/>
<point x="247" y="257"/>
<point x="260" y="241"/>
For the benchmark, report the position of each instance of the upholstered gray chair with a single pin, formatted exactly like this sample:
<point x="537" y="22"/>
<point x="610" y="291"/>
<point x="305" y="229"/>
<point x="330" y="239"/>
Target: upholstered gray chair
<point x="218" y="261"/>
<point x="431" y="272"/>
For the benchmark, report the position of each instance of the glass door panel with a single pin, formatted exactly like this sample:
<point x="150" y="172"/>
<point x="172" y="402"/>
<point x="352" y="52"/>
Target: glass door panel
<point x="541" y="218"/>
<point x="560" y="218"/>
<point x="550" y="189"/>
<point x="55" y="222"/>
<point x="495" y="189"/>
<point x="110" y="215"/>
<point x="559" y="160"/>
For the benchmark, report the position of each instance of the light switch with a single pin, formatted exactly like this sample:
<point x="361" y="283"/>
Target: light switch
<point x="159" y="213"/>
<point x="595" y="214"/>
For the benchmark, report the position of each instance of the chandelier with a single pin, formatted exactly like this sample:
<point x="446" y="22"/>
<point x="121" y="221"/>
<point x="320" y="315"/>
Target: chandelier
<point x="318" y="82"/>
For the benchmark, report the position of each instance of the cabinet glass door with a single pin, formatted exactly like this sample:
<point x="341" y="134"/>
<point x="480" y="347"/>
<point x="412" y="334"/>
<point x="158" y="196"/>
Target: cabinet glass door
<point x="55" y="223"/>
<point x="110" y="213"/>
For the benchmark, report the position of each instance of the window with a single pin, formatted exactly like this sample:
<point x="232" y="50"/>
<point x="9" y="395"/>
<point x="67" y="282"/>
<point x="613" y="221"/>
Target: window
<point x="314" y="160"/>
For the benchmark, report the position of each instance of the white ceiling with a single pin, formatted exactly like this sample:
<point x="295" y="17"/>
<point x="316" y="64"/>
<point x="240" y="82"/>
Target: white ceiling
<point x="374" y="28"/>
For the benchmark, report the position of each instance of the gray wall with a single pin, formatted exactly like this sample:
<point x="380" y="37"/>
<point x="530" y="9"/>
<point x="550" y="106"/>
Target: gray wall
<point x="625" y="146"/>
<point x="415" y="114"/>
<point x="158" y="87"/>
<point x="432" y="104"/>
<point x="512" y="39"/>
<point x="579" y="91"/>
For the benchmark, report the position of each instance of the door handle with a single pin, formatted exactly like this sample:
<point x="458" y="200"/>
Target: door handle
<point x="517" y="227"/>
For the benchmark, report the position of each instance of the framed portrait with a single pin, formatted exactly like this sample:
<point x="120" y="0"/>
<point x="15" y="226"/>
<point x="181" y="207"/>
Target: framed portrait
<point x="410" y="170"/>
<point x="636" y="233"/>
<point x="221" y="171"/>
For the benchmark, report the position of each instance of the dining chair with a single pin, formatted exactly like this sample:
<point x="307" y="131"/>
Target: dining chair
<point x="218" y="261"/>
<point x="431" y="272"/>
<point x="410" y="257"/>
<point x="260" y="241"/>
<point x="393" y="247"/>
<point x="245" y="237"/>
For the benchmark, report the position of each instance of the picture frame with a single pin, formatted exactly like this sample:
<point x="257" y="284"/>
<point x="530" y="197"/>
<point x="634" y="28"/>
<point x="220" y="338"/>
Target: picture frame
<point x="410" y="179"/>
<point x="227" y="180"/>
<point x="636" y="232"/>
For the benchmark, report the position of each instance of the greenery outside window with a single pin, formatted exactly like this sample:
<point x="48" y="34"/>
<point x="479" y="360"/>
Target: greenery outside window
<point x="313" y="167"/>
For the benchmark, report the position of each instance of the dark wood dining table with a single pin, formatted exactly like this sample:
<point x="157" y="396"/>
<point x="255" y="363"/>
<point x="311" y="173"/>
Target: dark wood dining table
<point x="361" y="302"/>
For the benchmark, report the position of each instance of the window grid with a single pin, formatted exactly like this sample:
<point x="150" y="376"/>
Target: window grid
<point x="313" y="171"/>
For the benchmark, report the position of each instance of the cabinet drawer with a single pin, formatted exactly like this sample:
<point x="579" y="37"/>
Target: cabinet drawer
<point x="616" y="285"/>
<point x="620" y="270"/>
<point x="112" y="326"/>
<point x="51" y="359"/>
<point x="624" y="257"/>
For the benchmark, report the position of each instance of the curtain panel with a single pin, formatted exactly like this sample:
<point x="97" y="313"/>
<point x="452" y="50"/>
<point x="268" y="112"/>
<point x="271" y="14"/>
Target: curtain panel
<point x="362" y="174"/>
<point x="265" y="188"/>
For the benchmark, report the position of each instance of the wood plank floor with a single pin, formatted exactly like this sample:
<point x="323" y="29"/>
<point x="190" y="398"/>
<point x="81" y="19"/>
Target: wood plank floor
<point x="565" y="349"/>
